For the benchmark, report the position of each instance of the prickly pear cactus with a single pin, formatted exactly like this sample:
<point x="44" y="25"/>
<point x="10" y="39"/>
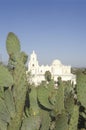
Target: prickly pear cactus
<point x="49" y="107"/>
<point x="34" y="109"/>
<point x="74" y="119"/>
<point x="6" y="79"/>
<point x="31" y="123"/>
<point x="4" y="114"/>
<point x="81" y="88"/>
<point x="45" y="120"/>
<point x="3" y="125"/>
<point x="9" y="101"/>
<point x="62" y="122"/>
<point x="43" y="95"/>
<point x="32" y="120"/>
<point x="13" y="46"/>
<point x="59" y="104"/>
<point x="19" y="94"/>
<point x="19" y="77"/>
<point x="69" y="104"/>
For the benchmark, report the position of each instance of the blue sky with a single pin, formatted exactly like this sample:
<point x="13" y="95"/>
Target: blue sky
<point x="55" y="29"/>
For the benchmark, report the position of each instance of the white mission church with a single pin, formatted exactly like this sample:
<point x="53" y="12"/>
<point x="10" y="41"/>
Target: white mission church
<point x="56" y="68"/>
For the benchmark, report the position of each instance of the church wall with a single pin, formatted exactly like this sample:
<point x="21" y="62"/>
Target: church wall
<point x="56" y="69"/>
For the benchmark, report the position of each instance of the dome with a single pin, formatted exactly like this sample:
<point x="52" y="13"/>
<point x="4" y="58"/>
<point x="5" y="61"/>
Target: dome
<point x="56" y="62"/>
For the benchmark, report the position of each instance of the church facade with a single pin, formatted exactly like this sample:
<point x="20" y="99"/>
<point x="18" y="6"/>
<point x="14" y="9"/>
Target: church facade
<point x="57" y="69"/>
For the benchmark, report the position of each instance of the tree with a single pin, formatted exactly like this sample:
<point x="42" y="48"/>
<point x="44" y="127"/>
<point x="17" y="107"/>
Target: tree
<point x="48" y="76"/>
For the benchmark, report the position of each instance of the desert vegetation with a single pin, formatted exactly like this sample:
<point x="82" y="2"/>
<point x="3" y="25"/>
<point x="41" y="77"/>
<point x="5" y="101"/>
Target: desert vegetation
<point x="45" y="107"/>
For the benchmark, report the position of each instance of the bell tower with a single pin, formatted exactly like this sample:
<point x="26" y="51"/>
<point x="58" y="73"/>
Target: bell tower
<point x="33" y="64"/>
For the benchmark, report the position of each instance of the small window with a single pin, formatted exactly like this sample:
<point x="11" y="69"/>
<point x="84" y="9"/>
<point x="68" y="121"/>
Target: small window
<point x="33" y="65"/>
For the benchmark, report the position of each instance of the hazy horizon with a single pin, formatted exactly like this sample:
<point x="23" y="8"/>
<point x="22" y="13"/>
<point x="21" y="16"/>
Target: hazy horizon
<point x="55" y="29"/>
